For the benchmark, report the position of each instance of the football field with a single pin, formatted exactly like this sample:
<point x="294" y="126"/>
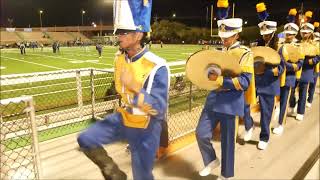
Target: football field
<point x="58" y="92"/>
<point x="12" y="62"/>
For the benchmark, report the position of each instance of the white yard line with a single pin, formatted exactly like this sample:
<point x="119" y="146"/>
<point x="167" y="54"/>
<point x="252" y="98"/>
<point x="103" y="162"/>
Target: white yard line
<point x="68" y="59"/>
<point x="176" y="63"/>
<point x="53" y="67"/>
<point x="46" y="76"/>
<point x="173" y="69"/>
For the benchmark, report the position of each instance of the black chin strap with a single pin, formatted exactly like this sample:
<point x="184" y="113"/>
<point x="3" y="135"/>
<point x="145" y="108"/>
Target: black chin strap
<point x="267" y="44"/>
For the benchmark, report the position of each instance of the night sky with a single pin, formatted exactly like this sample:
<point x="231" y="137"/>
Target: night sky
<point x="190" y="12"/>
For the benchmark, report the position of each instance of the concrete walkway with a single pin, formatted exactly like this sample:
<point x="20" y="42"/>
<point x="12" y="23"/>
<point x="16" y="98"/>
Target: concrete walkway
<point x="282" y="159"/>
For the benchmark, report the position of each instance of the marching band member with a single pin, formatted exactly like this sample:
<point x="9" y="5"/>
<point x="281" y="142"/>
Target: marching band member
<point x="312" y="85"/>
<point x="309" y="63"/>
<point x="142" y="80"/>
<point x="226" y="104"/>
<point x="288" y="78"/>
<point x="267" y="82"/>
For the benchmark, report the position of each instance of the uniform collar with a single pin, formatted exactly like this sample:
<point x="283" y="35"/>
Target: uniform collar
<point x="138" y="55"/>
<point x="235" y="45"/>
<point x="292" y="42"/>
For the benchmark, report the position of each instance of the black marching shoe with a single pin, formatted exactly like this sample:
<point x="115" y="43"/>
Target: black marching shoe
<point x="108" y="167"/>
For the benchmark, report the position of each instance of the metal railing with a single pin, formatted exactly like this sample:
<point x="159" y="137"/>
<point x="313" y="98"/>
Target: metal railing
<point x="67" y="101"/>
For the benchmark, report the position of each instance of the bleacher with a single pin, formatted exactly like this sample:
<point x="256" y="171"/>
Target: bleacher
<point x="8" y="37"/>
<point x="61" y="36"/>
<point x="35" y="36"/>
<point x="41" y="37"/>
<point x="81" y="36"/>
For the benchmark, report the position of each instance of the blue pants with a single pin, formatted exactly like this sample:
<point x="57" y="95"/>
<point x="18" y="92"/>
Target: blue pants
<point x="292" y="98"/>
<point x="143" y="142"/>
<point x="312" y="88"/>
<point x="208" y="121"/>
<point x="284" y="94"/>
<point x="303" y="88"/>
<point x="266" y="110"/>
<point x="248" y="121"/>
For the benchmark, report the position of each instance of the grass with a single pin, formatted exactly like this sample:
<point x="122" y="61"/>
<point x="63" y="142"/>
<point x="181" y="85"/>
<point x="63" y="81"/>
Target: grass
<point x="59" y="94"/>
<point x="12" y="62"/>
<point x="25" y="140"/>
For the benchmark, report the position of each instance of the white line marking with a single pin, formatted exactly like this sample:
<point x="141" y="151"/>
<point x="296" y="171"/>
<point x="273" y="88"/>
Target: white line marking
<point x="177" y="63"/>
<point x="32" y="63"/>
<point x="2" y="67"/>
<point x="84" y="61"/>
<point x="68" y="59"/>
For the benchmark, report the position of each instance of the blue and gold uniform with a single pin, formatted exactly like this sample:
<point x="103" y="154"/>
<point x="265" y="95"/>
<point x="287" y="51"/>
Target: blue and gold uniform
<point x="268" y="83"/>
<point x="140" y="121"/>
<point x="288" y="77"/>
<point x="225" y="106"/>
<point x="312" y="85"/>
<point x="267" y="88"/>
<point x="142" y="80"/>
<point x="311" y="52"/>
<point x="288" y="81"/>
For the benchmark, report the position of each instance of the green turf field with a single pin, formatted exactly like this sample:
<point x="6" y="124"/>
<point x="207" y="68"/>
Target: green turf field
<point x="61" y="93"/>
<point x="12" y="62"/>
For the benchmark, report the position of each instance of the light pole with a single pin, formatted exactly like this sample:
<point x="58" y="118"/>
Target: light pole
<point x="40" y="13"/>
<point x="82" y="13"/>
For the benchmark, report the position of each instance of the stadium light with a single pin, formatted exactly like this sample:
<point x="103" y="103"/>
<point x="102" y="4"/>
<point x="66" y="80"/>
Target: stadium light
<point x="174" y="15"/>
<point x="40" y="13"/>
<point x="82" y="13"/>
<point x="94" y="24"/>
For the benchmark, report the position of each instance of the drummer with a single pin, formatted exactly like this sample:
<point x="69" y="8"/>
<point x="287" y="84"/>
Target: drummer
<point x="266" y="79"/>
<point x="226" y="104"/>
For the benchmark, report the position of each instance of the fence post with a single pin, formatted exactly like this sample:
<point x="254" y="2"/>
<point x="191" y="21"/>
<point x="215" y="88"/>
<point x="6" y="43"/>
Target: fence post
<point x="190" y="97"/>
<point x="120" y="104"/>
<point x="36" y="150"/>
<point x="93" y="103"/>
<point x="79" y="94"/>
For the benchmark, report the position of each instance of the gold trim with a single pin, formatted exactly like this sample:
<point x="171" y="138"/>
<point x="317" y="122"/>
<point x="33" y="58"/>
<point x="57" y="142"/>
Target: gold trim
<point x="236" y="83"/>
<point x="133" y="121"/>
<point x="145" y="2"/>
<point x="275" y="71"/>
<point x="295" y="67"/>
<point x="286" y="110"/>
<point x="247" y="69"/>
<point x="140" y="99"/>
<point x="310" y="61"/>
<point x="220" y="80"/>
<point x="272" y="114"/>
<point x="236" y="129"/>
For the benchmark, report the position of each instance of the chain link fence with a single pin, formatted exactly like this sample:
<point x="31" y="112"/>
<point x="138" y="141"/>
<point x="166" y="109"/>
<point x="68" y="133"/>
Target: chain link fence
<point x="65" y="101"/>
<point x="69" y="101"/>
<point x="19" y="147"/>
<point x="185" y="106"/>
